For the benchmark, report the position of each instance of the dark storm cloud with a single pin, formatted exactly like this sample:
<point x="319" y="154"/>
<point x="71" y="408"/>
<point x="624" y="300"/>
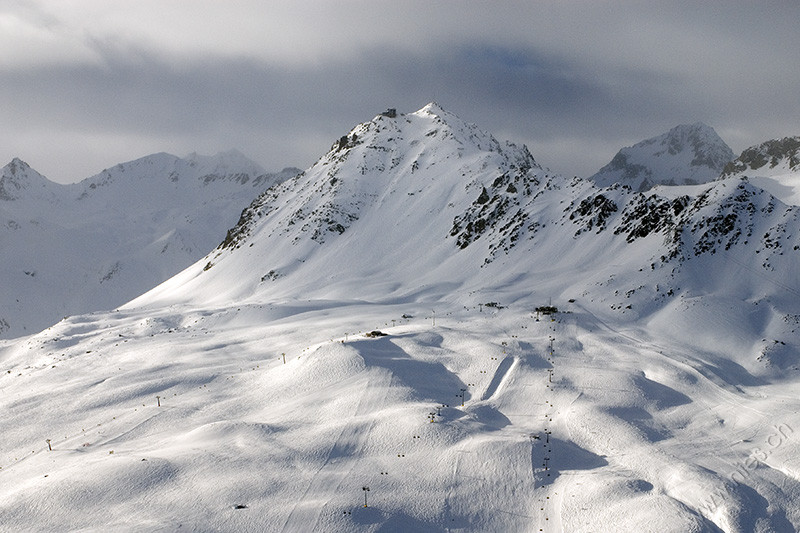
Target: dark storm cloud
<point x="574" y="80"/>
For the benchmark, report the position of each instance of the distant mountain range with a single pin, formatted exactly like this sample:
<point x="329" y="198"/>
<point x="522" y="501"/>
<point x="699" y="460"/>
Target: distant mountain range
<point x="96" y="244"/>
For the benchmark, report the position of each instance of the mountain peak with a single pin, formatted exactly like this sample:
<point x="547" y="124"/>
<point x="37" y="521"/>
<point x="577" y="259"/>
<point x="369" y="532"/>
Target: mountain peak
<point x="428" y="169"/>
<point x="696" y="135"/>
<point x="687" y="154"/>
<point x="75" y="248"/>
<point x="696" y="126"/>
<point x="17" y="162"/>
<point x="17" y="167"/>
<point x="437" y="112"/>
<point x="18" y="177"/>
<point x="433" y="108"/>
<point x="429" y="134"/>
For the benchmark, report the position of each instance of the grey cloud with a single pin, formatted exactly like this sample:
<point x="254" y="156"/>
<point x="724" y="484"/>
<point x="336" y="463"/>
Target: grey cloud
<point x="573" y="102"/>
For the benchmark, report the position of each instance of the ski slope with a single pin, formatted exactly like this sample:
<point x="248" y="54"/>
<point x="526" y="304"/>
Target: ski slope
<point x="637" y="430"/>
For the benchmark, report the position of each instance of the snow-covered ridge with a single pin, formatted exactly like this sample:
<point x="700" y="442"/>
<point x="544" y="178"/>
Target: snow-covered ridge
<point x="183" y="175"/>
<point x="426" y="192"/>
<point x="688" y="154"/>
<point x="732" y="215"/>
<point x="773" y="165"/>
<point x="775" y="156"/>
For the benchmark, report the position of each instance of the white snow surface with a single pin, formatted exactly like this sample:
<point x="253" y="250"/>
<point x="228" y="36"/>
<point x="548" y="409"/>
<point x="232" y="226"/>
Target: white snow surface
<point x="70" y="249"/>
<point x="688" y="154"/>
<point x="784" y="185"/>
<point x="244" y="395"/>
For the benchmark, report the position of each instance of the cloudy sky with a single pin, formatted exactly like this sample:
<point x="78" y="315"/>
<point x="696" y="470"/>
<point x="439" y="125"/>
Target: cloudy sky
<point x="86" y="84"/>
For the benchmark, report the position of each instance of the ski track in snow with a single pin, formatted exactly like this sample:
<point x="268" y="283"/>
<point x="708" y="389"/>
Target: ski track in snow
<point x="343" y="456"/>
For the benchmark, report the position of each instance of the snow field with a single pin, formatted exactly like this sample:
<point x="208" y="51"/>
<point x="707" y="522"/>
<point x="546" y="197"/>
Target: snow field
<point x="627" y="432"/>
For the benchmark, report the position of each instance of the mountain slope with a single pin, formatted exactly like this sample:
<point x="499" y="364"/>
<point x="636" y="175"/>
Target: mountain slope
<point x="382" y="185"/>
<point x="428" y="197"/>
<point x="94" y="245"/>
<point x="245" y="394"/>
<point x="688" y="154"/>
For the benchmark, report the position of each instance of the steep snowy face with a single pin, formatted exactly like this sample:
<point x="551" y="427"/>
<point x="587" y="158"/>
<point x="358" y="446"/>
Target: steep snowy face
<point x="686" y="155"/>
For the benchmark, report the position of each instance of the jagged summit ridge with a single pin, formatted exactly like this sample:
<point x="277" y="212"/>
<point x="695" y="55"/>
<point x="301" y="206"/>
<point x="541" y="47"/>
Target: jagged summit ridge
<point x="731" y="213"/>
<point x="400" y="132"/>
<point x="688" y="154"/>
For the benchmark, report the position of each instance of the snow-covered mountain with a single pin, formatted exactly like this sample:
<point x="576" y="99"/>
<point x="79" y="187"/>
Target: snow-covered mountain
<point x="773" y="165"/>
<point x="253" y="391"/>
<point x="688" y="154"/>
<point x="93" y="245"/>
<point x="19" y="181"/>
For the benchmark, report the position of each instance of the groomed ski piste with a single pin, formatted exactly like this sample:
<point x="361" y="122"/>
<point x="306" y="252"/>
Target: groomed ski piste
<point x="342" y="383"/>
